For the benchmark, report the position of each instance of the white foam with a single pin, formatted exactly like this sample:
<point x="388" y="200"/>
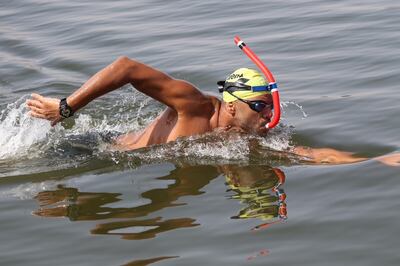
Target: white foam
<point x="208" y="145"/>
<point x="279" y="138"/>
<point x="19" y="132"/>
<point x="23" y="136"/>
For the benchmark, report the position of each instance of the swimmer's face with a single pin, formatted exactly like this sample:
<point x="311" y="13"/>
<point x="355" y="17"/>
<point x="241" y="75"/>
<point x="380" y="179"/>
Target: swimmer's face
<point x="251" y="121"/>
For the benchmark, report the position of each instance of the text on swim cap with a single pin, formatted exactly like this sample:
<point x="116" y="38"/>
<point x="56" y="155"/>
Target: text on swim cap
<point x="235" y="76"/>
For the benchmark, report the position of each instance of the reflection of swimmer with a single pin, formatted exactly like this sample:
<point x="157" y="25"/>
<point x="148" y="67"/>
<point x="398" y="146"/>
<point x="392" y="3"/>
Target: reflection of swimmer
<point x="246" y="106"/>
<point x="258" y="187"/>
<point x="94" y="206"/>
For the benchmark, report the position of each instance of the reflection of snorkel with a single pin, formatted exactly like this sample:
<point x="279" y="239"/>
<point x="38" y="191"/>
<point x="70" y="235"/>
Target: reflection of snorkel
<point x="280" y="194"/>
<point x="271" y="80"/>
<point x="259" y="188"/>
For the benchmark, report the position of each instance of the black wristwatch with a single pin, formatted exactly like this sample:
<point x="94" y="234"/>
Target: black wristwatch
<point x="65" y="109"/>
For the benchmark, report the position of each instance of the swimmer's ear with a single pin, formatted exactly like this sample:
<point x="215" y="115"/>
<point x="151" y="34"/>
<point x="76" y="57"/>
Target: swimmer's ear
<point x="230" y="108"/>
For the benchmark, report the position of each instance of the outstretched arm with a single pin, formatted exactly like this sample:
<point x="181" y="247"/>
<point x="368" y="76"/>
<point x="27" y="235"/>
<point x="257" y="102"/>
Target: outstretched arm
<point x="326" y="155"/>
<point x="177" y="94"/>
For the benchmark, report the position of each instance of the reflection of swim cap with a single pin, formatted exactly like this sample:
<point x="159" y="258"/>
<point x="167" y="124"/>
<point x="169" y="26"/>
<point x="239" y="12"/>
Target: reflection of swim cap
<point x="247" y="77"/>
<point x="257" y="197"/>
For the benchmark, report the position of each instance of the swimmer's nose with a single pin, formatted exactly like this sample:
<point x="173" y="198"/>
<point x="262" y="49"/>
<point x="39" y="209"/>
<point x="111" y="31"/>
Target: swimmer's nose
<point x="267" y="113"/>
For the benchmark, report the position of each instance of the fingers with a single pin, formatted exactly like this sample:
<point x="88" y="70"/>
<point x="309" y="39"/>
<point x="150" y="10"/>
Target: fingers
<point x="44" y="116"/>
<point x="34" y="103"/>
<point x="37" y="97"/>
<point x="390" y="160"/>
<point x="35" y="109"/>
<point x="37" y="115"/>
<point x="37" y="100"/>
<point x="44" y="108"/>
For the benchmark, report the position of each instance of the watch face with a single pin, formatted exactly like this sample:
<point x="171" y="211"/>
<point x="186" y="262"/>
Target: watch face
<point x="66" y="112"/>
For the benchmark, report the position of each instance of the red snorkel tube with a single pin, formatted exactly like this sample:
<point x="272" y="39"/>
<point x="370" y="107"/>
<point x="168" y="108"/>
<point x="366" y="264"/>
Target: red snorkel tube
<point x="271" y="80"/>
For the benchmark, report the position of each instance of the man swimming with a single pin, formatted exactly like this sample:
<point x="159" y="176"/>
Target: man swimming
<point x="189" y="111"/>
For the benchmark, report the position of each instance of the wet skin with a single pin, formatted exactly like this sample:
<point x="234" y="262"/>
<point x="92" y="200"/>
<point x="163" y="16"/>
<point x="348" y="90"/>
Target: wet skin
<point x="169" y="126"/>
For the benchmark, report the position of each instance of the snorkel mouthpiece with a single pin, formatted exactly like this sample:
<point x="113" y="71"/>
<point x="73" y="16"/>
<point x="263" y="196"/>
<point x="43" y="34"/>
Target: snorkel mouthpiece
<point x="271" y="81"/>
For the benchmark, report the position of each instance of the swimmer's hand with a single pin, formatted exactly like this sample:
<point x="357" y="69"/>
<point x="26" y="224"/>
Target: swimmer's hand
<point x="45" y="108"/>
<point x="331" y="156"/>
<point x="326" y="156"/>
<point x="390" y="159"/>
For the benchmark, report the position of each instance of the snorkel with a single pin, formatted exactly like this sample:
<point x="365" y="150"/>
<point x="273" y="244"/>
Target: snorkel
<point x="271" y="81"/>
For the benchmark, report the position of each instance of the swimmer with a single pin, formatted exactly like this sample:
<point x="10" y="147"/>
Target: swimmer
<point x="188" y="111"/>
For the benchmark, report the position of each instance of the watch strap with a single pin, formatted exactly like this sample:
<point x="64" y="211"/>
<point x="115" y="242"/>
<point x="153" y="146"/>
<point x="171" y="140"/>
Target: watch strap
<point x="65" y="110"/>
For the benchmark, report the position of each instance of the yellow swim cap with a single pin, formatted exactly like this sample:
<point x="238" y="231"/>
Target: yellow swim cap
<point x="246" y="77"/>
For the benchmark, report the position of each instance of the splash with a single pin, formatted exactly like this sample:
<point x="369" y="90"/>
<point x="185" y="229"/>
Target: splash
<point x="83" y="139"/>
<point x="278" y="139"/>
<point x="208" y="146"/>
<point x="225" y="148"/>
<point x="286" y="105"/>
<point x="24" y="137"/>
<point x="214" y="148"/>
<point x="19" y="132"/>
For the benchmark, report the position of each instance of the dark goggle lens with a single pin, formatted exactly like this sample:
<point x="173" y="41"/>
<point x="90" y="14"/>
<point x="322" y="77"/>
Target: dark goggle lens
<point x="258" y="106"/>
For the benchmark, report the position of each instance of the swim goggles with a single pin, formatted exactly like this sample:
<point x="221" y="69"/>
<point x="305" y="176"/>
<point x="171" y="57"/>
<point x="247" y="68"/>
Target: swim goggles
<point x="255" y="105"/>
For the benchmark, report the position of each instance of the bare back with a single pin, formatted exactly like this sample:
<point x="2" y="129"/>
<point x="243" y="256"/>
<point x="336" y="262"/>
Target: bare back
<point x="170" y="125"/>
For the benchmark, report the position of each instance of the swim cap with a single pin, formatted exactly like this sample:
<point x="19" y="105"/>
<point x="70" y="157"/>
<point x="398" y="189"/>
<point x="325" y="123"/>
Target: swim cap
<point x="247" y="77"/>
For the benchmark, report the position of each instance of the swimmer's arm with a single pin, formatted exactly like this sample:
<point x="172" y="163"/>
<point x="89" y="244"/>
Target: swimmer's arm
<point x="325" y="155"/>
<point x="332" y="156"/>
<point x="390" y="159"/>
<point x="178" y="94"/>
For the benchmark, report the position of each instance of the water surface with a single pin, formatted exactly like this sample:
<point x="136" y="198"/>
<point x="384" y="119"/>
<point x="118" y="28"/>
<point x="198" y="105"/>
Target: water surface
<point x="67" y="199"/>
